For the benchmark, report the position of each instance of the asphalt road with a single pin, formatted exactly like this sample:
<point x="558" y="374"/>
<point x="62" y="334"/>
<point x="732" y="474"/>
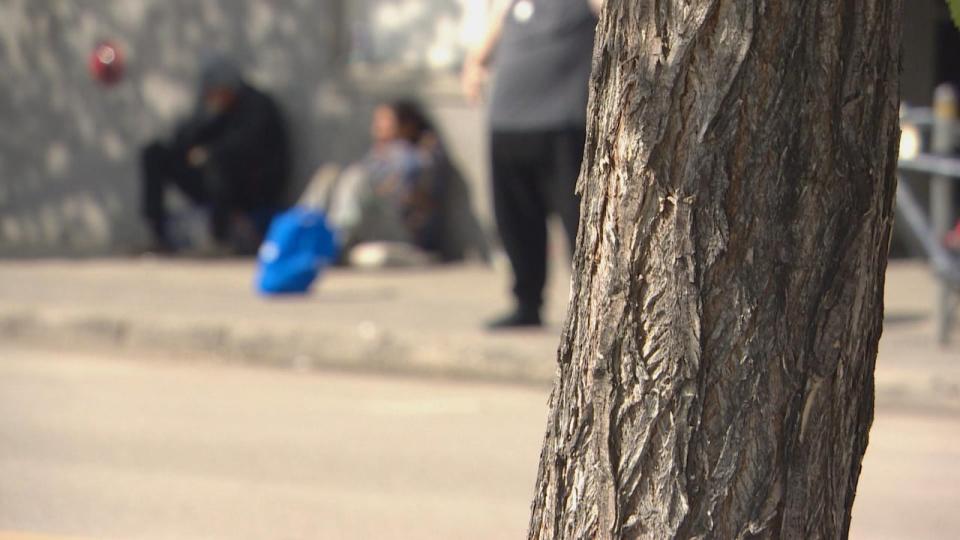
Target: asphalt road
<point x="131" y="448"/>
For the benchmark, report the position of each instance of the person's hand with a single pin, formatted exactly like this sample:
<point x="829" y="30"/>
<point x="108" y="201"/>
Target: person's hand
<point x="388" y="187"/>
<point x="476" y="65"/>
<point x="197" y="156"/>
<point x="472" y="79"/>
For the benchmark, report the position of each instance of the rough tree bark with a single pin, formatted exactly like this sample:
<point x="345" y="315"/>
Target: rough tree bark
<point x="715" y="373"/>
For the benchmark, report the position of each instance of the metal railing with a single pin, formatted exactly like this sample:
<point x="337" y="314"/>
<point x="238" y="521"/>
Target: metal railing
<point x="942" y="169"/>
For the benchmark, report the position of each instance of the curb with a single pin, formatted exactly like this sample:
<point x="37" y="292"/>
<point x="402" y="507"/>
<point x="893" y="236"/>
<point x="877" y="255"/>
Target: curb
<point x="366" y="348"/>
<point x="362" y="347"/>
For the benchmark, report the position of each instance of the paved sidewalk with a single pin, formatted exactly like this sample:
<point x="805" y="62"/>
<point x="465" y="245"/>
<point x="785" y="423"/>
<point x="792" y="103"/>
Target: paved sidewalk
<point x="422" y="322"/>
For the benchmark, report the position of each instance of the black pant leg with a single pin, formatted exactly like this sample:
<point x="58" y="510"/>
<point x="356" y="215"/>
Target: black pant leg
<point x="521" y="212"/>
<point x="156" y="167"/>
<point x="221" y="195"/>
<point x="162" y="165"/>
<point x="567" y="154"/>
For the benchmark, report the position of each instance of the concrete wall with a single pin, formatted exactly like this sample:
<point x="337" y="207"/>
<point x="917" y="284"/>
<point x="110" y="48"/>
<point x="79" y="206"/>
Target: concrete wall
<point x="69" y="147"/>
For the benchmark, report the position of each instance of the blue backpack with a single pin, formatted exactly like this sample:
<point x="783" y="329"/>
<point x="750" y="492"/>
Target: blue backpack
<point x="298" y="246"/>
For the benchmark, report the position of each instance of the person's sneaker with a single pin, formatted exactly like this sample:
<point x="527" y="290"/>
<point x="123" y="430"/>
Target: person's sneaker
<point x="154" y="248"/>
<point x="517" y="319"/>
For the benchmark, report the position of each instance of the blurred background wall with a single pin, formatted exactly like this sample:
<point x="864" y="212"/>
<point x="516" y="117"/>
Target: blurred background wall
<point x="69" y="147"/>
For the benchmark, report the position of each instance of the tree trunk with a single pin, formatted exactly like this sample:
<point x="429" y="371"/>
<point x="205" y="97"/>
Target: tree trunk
<point x="715" y="374"/>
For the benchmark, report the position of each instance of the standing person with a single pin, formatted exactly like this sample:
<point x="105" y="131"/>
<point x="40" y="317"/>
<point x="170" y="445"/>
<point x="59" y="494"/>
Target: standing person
<point x="541" y="52"/>
<point x="231" y="156"/>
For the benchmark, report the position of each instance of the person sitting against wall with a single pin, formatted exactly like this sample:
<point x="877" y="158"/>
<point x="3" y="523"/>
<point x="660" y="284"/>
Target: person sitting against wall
<point x="231" y="156"/>
<point x="387" y="208"/>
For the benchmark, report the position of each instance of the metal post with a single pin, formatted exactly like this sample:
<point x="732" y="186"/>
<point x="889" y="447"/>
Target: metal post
<point x="941" y="194"/>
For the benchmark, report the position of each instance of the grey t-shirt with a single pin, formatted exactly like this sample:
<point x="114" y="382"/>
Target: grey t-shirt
<point x="542" y="66"/>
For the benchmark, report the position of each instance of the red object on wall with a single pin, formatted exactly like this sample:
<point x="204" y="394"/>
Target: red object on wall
<point x="106" y="63"/>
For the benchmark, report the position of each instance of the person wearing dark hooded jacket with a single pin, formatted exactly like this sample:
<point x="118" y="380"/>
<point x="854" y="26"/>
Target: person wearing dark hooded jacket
<point x="231" y="156"/>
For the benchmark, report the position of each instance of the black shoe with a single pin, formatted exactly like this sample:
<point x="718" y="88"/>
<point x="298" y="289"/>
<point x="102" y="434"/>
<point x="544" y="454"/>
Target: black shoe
<point x="521" y="318"/>
<point x="157" y="248"/>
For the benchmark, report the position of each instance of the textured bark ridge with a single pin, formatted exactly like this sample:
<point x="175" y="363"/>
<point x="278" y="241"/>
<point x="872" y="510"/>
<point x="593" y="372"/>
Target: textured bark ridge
<point x="716" y="368"/>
